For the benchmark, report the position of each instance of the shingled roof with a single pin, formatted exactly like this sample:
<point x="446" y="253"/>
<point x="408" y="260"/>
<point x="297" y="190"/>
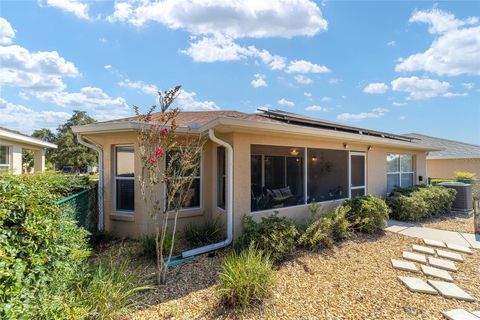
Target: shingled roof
<point x="450" y="149"/>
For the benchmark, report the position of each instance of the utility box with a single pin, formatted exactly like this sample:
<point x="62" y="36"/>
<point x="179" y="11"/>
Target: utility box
<point x="464" y="199"/>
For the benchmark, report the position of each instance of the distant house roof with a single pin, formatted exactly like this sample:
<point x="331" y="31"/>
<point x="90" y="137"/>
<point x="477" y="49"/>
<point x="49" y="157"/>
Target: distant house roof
<point x="450" y="149"/>
<point x="13" y="135"/>
<point x="266" y="120"/>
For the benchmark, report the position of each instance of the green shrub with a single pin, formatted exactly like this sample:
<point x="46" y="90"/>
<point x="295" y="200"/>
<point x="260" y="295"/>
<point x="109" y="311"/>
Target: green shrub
<point x="327" y="229"/>
<point x="246" y="277"/>
<point x="200" y="234"/>
<point x="107" y="289"/>
<point x="42" y="249"/>
<point x="148" y="245"/>
<point x="367" y="213"/>
<point x="60" y="185"/>
<point x="465" y="176"/>
<point x="434" y="182"/>
<point x="273" y="235"/>
<point x="420" y="202"/>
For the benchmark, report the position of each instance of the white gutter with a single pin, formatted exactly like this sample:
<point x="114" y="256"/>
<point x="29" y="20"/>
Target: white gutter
<point x="100" y="178"/>
<point x="229" y="202"/>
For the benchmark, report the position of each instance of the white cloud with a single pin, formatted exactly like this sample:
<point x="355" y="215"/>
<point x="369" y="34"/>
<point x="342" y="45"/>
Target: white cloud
<point x="334" y="81"/>
<point x="316" y="108"/>
<point x="108" y="66"/>
<point x="26" y="120"/>
<point x="100" y="103"/>
<point x="375" y="113"/>
<point x="440" y="21"/>
<point x="303" y="66"/>
<point x="139" y="85"/>
<point x="454" y="52"/>
<point x="399" y="104"/>
<point x="376" y="87"/>
<point x="286" y="103"/>
<point x="420" y="88"/>
<point x="302" y="79"/>
<point x="259" y="81"/>
<point x="37" y="71"/>
<point x="7" y="33"/>
<point x="391" y="43"/>
<point x="324" y="99"/>
<point x="186" y="102"/>
<point x="78" y="8"/>
<point x="455" y="94"/>
<point x="236" y="19"/>
<point x="307" y="94"/>
<point x="468" y="85"/>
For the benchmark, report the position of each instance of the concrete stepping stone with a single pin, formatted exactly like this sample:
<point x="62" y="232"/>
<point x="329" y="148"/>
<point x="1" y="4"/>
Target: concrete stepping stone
<point x="442" y="264"/>
<point x="459" y="314"/>
<point x="423" y="249"/>
<point x="451" y="290"/>
<point x="417" y="285"/>
<point x="437" y="273"/>
<point x="450" y="255"/>
<point x="404" y="265"/>
<point x="414" y="257"/>
<point x="462" y="249"/>
<point x="434" y="243"/>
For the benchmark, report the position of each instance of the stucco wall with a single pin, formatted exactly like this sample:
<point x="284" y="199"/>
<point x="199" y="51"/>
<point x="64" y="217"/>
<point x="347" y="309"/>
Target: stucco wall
<point x="139" y="223"/>
<point x="15" y="156"/>
<point x="445" y="168"/>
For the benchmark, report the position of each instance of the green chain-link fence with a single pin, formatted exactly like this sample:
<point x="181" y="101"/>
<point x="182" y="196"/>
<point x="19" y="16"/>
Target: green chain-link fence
<point x="83" y="207"/>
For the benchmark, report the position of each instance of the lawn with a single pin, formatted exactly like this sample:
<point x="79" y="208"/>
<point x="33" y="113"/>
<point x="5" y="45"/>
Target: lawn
<point x="354" y="280"/>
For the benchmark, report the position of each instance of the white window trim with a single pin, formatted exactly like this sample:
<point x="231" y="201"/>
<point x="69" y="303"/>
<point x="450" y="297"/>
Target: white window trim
<point x="7" y="165"/>
<point x="115" y="178"/>
<point x="200" y="207"/>
<point x="399" y="173"/>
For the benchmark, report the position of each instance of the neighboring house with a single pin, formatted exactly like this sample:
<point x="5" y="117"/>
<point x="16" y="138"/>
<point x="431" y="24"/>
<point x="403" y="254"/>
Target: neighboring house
<point x="12" y="143"/>
<point x="454" y="156"/>
<point x="272" y="161"/>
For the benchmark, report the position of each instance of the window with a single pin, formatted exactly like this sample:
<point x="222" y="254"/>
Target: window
<point x="4" y="157"/>
<point x="400" y="171"/>
<point x="124" y="178"/>
<point x="192" y="199"/>
<point x="221" y="174"/>
<point x="277" y="177"/>
<point x="327" y="175"/>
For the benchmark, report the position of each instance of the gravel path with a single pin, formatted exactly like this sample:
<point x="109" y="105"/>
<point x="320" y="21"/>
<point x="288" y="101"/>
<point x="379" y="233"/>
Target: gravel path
<point x="353" y="281"/>
<point x="451" y="222"/>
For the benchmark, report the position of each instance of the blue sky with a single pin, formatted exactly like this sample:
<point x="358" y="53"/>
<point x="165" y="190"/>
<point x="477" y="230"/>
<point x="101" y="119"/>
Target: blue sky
<point x="393" y="66"/>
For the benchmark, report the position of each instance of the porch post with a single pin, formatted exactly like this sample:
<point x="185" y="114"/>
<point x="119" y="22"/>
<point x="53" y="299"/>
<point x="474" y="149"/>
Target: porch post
<point x="39" y="160"/>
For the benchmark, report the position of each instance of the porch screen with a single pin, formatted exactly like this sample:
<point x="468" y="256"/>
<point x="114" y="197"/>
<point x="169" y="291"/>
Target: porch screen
<point x="276" y="177"/>
<point x="4" y="157"/>
<point x="327" y="177"/>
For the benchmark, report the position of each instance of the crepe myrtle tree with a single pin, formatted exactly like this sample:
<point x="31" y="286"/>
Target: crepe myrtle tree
<point x="169" y="159"/>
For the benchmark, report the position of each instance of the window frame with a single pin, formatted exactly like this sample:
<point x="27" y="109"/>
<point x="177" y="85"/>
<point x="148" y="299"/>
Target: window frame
<point x="8" y="164"/>
<point x="400" y="172"/>
<point x="200" y="177"/>
<point x="115" y="178"/>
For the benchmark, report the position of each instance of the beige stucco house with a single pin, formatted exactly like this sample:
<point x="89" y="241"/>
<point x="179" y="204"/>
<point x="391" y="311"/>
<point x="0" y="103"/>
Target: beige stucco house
<point x="255" y="164"/>
<point x="12" y="143"/>
<point x="452" y="156"/>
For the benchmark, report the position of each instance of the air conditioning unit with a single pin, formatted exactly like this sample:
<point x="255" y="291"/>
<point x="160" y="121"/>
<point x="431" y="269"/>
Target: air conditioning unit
<point x="464" y="200"/>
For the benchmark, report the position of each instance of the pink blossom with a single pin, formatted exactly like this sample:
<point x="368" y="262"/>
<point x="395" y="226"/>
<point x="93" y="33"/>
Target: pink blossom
<point x="152" y="159"/>
<point x="164" y="131"/>
<point x="159" y="151"/>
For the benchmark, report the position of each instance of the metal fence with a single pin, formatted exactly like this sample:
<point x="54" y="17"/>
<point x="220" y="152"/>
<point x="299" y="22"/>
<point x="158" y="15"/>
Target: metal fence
<point x="83" y="207"/>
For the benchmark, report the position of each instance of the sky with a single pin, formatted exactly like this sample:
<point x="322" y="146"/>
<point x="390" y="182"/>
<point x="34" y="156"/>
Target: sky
<point x="399" y="67"/>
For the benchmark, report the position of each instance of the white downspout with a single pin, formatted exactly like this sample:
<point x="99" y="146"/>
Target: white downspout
<point x="100" y="178"/>
<point x="229" y="202"/>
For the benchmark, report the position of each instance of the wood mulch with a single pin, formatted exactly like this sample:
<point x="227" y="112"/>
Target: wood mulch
<point x="354" y="280"/>
<point x="452" y="222"/>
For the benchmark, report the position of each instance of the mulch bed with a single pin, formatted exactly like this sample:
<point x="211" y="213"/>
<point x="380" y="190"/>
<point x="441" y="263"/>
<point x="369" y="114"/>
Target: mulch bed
<point x="452" y="222"/>
<point x="354" y="280"/>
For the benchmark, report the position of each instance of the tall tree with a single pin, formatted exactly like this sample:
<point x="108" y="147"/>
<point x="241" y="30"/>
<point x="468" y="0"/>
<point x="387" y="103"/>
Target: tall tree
<point x="69" y="151"/>
<point x="48" y="136"/>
